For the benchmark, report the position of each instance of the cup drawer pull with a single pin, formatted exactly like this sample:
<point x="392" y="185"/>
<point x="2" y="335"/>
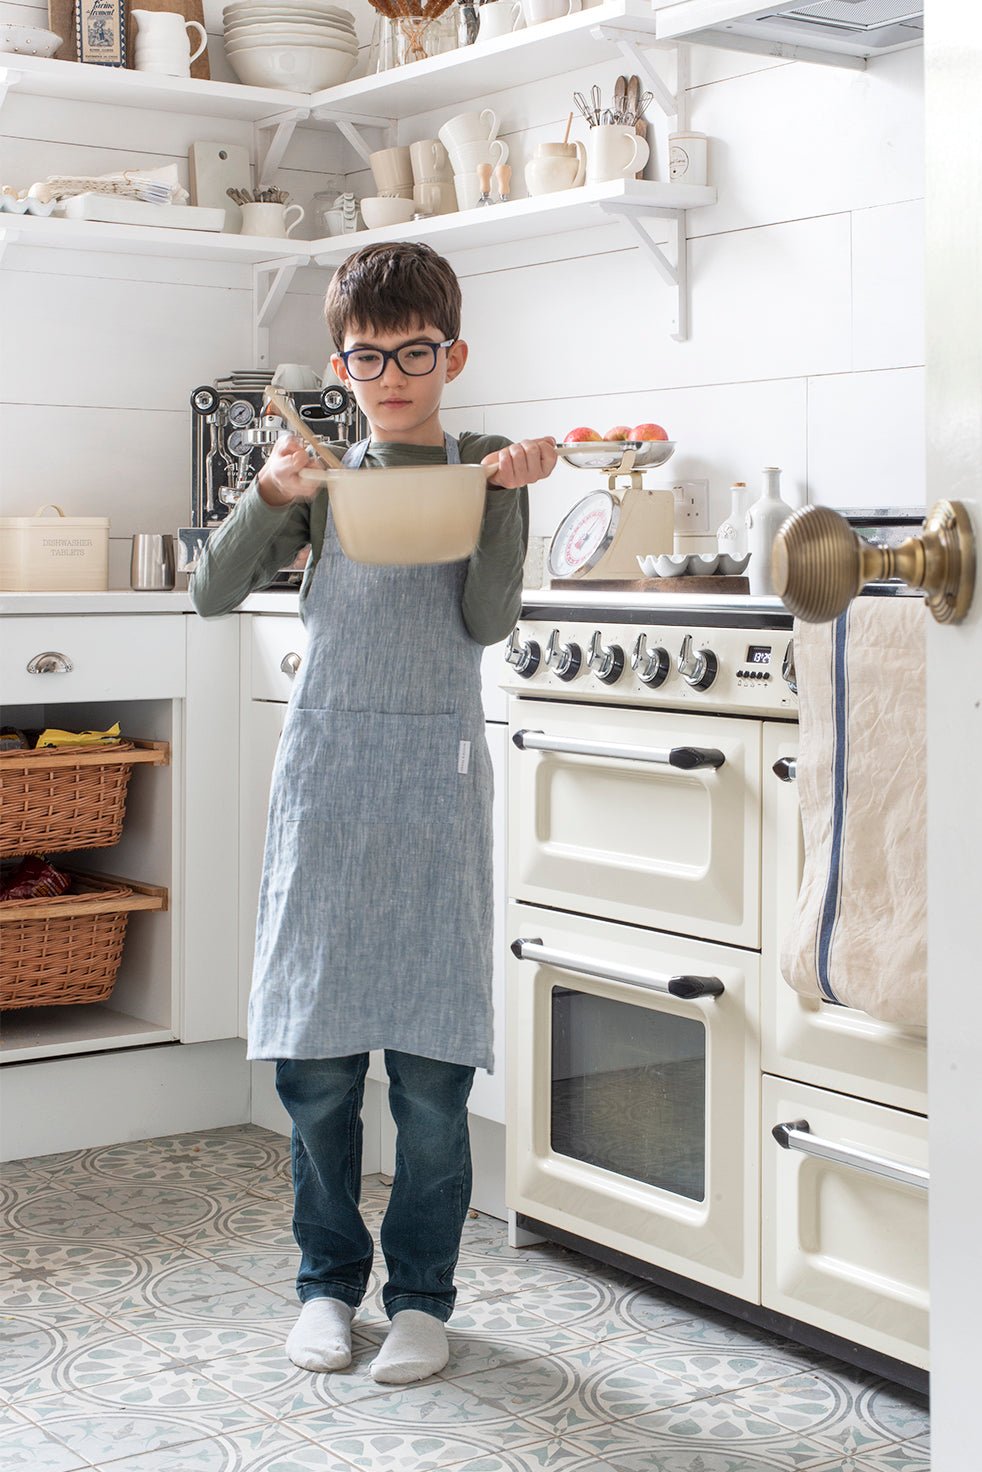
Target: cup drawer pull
<point x="686" y="987"/>
<point x="49" y="662"/>
<point x="797" y="1135"/>
<point x="290" y="663"/>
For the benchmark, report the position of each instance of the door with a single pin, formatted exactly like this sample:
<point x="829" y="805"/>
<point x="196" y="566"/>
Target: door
<point x="954" y="736"/>
<point x="657" y="824"/>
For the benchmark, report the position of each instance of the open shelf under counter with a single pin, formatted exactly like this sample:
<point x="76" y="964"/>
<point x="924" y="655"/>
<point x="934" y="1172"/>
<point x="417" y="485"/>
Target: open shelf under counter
<point x="472" y="72"/>
<point x="73" y="81"/>
<point x="149" y="240"/>
<point x="47" y="1032"/>
<point x="525" y="219"/>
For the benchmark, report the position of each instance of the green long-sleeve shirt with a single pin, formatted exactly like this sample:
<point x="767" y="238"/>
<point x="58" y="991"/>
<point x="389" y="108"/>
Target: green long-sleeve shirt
<point x="256" y="540"/>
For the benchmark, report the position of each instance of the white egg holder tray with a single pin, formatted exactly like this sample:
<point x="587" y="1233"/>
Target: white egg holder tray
<point x="692" y="564"/>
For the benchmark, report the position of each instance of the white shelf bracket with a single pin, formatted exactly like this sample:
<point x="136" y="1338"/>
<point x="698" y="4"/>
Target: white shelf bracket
<point x="273" y="136"/>
<point x="673" y="104"/>
<point x="349" y="130"/>
<point x="9" y="77"/>
<point x="672" y="268"/>
<point x="273" y="278"/>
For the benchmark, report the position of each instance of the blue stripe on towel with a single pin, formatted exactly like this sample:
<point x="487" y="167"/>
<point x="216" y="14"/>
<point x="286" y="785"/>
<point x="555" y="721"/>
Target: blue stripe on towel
<point x="832" y="901"/>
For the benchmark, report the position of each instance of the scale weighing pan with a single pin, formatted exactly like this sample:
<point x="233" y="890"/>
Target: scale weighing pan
<point x="603" y="535"/>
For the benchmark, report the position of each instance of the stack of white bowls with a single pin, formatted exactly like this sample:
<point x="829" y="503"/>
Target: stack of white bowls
<point x="298" y="45"/>
<point x="470" y="140"/>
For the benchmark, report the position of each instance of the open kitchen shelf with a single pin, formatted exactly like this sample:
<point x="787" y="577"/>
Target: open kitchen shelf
<point x="58" y="233"/>
<point x="46" y="1032"/>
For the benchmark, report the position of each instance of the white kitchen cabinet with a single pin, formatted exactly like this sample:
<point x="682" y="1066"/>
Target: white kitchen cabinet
<point x="261" y="726"/>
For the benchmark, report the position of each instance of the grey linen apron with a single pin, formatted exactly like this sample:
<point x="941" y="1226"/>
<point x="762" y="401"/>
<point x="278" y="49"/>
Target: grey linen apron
<point x="375" y="907"/>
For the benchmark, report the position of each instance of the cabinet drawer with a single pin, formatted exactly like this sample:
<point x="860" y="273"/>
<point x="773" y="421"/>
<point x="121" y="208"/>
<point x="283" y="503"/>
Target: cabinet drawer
<point x="274" y="637"/>
<point x="843" y="1246"/>
<point x="112" y="658"/>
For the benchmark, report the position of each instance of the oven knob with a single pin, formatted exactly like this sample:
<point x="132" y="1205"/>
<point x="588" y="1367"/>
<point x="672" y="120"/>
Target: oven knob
<point x="524" y="655"/>
<point x="788" y="669"/>
<point x="652" y="666"/>
<point x="699" y="669"/>
<point x="607" y="664"/>
<point x="564" y="659"/>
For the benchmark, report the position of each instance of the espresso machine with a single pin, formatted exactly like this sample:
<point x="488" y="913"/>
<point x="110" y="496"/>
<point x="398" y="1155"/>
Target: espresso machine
<point x="231" y="439"/>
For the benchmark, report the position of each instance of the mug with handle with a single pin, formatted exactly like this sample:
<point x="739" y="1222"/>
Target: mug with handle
<point x="497" y="18"/>
<point x="614" y="152"/>
<point x="469" y="127"/>
<point x="536" y="11"/>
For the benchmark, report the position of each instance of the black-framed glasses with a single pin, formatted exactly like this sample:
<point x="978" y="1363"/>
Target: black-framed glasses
<point x="415" y="359"/>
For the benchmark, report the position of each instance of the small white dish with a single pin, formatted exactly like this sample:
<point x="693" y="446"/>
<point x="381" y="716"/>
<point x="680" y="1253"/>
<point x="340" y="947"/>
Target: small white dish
<point x="732" y="566"/>
<point x="29" y="40"/>
<point x="380" y="213"/>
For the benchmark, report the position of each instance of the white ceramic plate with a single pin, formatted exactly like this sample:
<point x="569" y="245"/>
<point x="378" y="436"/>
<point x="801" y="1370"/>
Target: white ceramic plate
<point x="302" y="7"/>
<point x="29" y="40"/>
<point x="279" y="27"/>
<point x="339" y="47"/>
<point x="287" y="17"/>
<point x="286" y="36"/>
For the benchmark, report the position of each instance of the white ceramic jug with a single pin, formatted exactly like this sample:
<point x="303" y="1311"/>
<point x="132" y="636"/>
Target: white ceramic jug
<point x="163" y="43"/>
<point x="555" y="166"/>
<point x="763" y="521"/>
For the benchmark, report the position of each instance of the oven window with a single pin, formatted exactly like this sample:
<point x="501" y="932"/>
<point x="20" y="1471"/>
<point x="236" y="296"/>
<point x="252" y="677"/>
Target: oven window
<point x="629" y="1091"/>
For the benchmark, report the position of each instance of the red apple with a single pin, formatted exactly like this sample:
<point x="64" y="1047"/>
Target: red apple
<point x="580" y="435"/>
<point x="619" y="432"/>
<point x="648" y="432"/>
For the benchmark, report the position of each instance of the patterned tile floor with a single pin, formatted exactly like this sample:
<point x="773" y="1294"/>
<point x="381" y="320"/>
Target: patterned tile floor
<point x="147" y="1289"/>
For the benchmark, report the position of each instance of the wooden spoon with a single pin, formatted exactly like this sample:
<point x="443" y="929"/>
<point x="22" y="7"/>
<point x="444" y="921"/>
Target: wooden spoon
<point x="289" y="415"/>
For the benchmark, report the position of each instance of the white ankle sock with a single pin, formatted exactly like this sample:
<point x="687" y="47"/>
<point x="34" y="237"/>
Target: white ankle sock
<point x="415" y="1347"/>
<point x="321" y="1337"/>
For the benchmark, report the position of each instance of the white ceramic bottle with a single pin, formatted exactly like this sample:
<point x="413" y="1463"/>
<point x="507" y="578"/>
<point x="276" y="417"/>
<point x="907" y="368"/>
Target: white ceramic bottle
<point x="731" y="534"/>
<point x="763" y="521"/>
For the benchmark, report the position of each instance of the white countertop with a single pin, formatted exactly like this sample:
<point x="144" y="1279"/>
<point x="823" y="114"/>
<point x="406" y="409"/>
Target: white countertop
<point x="123" y="600"/>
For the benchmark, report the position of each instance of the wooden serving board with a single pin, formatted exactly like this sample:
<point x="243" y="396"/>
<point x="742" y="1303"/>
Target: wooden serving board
<point x="653" y="585"/>
<point x="61" y="20"/>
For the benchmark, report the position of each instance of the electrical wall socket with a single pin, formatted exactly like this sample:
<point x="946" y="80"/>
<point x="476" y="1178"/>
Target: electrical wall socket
<point x="691" y="506"/>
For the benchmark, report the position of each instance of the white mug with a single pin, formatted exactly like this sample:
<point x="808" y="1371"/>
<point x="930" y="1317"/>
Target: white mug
<point x="435" y="196"/>
<point x="168" y="28"/>
<point x="687" y="157"/>
<point x="269" y="219"/>
<point x="540" y="10"/>
<point x="497" y="18"/>
<point x="467" y="157"/>
<point x="429" y="160"/>
<point x="469" y="127"/>
<point x="467" y="188"/>
<point x="614" y="152"/>
<point x="392" y="168"/>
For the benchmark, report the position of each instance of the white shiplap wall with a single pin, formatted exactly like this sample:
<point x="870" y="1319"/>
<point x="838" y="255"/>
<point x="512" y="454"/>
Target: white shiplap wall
<point x="806" y="346"/>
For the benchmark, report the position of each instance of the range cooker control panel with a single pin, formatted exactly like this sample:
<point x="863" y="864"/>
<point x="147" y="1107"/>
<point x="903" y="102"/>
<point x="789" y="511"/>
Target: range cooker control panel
<point x="746" y="671"/>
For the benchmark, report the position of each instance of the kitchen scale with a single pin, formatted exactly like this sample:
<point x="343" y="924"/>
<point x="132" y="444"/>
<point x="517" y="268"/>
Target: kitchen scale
<point x="603" y="535"/>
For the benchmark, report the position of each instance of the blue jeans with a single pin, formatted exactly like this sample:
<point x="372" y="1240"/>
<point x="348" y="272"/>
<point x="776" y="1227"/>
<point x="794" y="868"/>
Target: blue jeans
<point x="431" y="1187"/>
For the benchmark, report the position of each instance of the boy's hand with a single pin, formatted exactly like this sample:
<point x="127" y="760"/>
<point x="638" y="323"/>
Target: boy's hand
<point x="522" y="464"/>
<point x="279" y="479"/>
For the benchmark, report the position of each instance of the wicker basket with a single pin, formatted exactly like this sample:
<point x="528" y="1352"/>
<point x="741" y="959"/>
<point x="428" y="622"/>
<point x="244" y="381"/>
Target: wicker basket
<point x="68" y="949"/>
<point x="68" y="797"/>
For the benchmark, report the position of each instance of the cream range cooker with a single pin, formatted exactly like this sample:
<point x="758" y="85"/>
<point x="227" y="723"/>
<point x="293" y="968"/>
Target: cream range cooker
<point x="659" y="1067"/>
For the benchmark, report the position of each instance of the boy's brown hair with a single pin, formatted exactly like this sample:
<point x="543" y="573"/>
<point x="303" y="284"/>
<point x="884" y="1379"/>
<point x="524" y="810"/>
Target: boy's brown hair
<point x="393" y="288"/>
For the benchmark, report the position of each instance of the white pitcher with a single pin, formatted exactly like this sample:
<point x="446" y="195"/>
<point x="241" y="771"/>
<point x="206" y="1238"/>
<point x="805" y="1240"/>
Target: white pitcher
<point x="163" y="43"/>
<point x="555" y="166"/>
<point x="614" y="152"/>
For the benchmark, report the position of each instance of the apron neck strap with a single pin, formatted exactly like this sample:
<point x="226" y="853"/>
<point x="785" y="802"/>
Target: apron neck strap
<point x="355" y="457"/>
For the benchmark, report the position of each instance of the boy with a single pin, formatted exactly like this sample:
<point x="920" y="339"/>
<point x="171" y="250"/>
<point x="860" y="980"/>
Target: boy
<point x="374" y="923"/>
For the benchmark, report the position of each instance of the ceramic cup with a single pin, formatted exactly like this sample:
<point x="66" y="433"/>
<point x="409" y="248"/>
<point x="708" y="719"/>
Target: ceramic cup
<point x="435" y="197"/>
<point x="469" y="127"/>
<point x="687" y="157"/>
<point x="429" y="160"/>
<point x="497" y="18"/>
<point x="392" y="168"/>
<point x="467" y="157"/>
<point x="614" y="152"/>
<point x="269" y="219"/>
<point x="540" y="10"/>
<point x="555" y="166"/>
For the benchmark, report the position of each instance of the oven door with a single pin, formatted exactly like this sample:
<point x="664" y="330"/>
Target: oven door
<point x="632" y="1082"/>
<point x="645" y="816"/>
<point x="803" y="1037"/>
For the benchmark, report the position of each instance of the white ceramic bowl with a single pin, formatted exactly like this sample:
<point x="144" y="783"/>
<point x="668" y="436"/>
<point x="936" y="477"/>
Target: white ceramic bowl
<point x="339" y="47"/>
<point x="292" y="68"/>
<point x="379" y="211"/>
<point x="293" y="34"/>
<point x="289" y="11"/>
<point x="408" y="516"/>
<point x="29" y="40"/>
<point x="300" y="7"/>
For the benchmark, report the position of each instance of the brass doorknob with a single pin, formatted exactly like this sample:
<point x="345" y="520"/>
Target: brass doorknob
<point x="820" y="564"/>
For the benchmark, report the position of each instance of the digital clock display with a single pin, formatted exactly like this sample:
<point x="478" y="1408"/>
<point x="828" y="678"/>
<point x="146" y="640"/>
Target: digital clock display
<point x="759" y="654"/>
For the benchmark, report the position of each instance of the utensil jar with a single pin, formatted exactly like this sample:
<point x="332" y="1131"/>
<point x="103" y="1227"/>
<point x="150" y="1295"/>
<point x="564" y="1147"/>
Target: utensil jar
<point x="614" y="152"/>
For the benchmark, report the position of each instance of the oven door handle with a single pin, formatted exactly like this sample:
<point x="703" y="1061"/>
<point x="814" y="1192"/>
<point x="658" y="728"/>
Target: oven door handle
<point x="688" y="988"/>
<point x="797" y="1135"/>
<point x="688" y="758"/>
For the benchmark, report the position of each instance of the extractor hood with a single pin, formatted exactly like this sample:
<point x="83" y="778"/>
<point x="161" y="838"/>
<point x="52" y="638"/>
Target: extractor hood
<point x="846" y="31"/>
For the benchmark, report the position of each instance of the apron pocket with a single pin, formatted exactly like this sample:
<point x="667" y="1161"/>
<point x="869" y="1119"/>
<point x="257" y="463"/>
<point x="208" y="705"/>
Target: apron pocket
<point x="379" y="768"/>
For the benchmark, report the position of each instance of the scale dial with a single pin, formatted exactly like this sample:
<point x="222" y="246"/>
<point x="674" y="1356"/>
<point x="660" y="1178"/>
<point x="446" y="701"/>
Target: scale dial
<point x="584" y="535"/>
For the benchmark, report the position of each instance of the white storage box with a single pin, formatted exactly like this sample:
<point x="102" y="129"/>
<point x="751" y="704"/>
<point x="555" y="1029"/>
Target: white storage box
<point x="59" y="553"/>
<point x="110" y="209"/>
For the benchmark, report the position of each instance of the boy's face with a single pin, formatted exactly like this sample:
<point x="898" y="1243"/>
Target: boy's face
<point x="400" y="404"/>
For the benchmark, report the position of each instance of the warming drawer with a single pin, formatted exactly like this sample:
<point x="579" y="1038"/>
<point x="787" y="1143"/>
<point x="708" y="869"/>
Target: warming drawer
<point x="650" y="817"/>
